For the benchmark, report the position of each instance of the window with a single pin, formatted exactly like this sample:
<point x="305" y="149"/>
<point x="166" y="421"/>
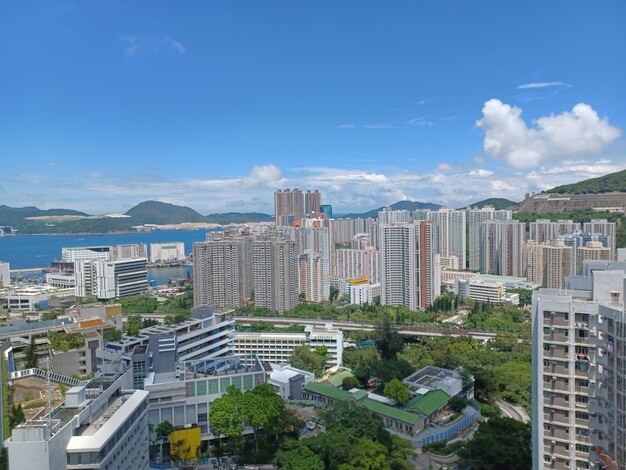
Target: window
<point x="582" y="399"/>
<point x="546" y="331"/>
<point x="581" y="415"/>
<point x="546" y="347"/>
<point x="582" y="448"/>
<point x="202" y="417"/>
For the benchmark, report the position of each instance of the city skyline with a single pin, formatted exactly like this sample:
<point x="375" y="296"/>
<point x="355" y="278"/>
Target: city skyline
<point x="219" y="105"/>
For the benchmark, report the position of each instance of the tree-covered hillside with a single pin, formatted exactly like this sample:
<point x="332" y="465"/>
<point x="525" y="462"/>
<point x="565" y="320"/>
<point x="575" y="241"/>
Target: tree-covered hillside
<point x="603" y="184"/>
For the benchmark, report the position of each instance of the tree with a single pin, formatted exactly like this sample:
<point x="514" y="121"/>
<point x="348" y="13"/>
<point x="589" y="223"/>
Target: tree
<point x="134" y="323"/>
<point x="16" y="416"/>
<point x="500" y="443"/>
<point x="367" y="455"/>
<point x="457" y="403"/>
<point x="358" y="420"/>
<point x="112" y="335"/>
<point x="225" y="417"/>
<point x="334" y="293"/>
<point x="303" y="358"/>
<point x="30" y="352"/>
<point x="388" y="341"/>
<point x="297" y="456"/>
<point x="163" y="431"/>
<point x="254" y="412"/>
<point x="398" y="391"/>
<point x="349" y="383"/>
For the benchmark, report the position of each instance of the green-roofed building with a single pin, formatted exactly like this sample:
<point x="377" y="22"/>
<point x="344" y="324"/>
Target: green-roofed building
<point x="395" y="419"/>
<point x="429" y="405"/>
<point x="337" y="379"/>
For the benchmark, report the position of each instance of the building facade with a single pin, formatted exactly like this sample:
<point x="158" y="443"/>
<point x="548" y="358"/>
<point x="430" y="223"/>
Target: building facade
<point x="579" y="374"/>
<point x="408" y="265"/>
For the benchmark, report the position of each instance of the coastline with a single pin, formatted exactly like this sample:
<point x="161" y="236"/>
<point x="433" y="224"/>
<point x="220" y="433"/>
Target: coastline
<point x="185" y="226"/>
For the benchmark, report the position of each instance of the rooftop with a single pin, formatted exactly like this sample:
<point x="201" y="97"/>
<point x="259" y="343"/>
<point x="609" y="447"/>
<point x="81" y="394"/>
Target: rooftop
<point x="431" y="402"/>
<point x="391" y="412"/>
<point x="361" y="397"/>
<point x="431" y="377"/>
<point x="336" y="380"/>
<point x="95" y="437"/>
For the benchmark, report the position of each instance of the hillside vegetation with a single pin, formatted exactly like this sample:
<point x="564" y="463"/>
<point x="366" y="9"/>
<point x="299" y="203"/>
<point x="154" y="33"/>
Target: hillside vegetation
<point x="497" y="202"/>
<point x="604" y="184"/>
<point x="33" y="220"/>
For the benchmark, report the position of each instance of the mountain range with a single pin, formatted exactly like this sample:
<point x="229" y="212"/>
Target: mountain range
<point x="33" y="220"/>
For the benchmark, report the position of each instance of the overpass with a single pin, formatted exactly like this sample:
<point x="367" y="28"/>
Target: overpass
<point x="408" y="330"/>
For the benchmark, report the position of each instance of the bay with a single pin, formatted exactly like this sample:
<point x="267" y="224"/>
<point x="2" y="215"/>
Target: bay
<point x="38" y="251"/>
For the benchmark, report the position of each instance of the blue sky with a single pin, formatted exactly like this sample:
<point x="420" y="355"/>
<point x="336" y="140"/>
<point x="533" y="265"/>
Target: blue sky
<point x="215" y="104"/>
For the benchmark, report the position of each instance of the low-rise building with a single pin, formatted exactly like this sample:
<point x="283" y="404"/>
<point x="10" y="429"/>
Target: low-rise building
<point x="278" y="347"/>
<point x="364" y="293"/>
<point x="395" y="419"/>
<point x="289" y="381"/>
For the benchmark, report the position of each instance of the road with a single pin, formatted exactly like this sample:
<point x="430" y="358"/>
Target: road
<point x="515" y="412"/>
<point x="408" y="330"/>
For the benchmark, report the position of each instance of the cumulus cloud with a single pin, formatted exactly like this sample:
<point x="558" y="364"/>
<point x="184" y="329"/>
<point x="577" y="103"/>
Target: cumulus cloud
<point x="262" y="174"/>
<point x="347" y="189"/>
<point x="578" y="133"/>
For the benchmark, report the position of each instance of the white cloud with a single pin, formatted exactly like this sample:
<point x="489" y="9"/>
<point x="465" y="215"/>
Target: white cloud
<point x="262" y="174"/>
<point x="177" y="46"/>
<point x="151" y="44"/>
<point x="482" y="173"/>
<point x="578" y="133"/>
<point x="534" y="85"/>
<point x="131" y="45"/>
<point x="378" y="125"/>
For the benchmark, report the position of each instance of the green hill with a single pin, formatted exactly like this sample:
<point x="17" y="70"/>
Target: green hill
<point x="497" y="202"/>
<point x="604" y="184"/>
<point x="26" y="219"/>
<point x="16" y="215"/>
<point x="155" y="212"/>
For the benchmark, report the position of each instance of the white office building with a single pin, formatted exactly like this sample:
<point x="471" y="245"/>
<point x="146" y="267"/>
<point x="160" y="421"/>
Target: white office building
<point x="79" y="253"/>
<point x="364" y="293"/>
<point x="102" y="425"/>
<point x="166" y="252"/>
<point x="278" y="347"/>
<point x="111" y="279"/>
<point x="5" y="274"/>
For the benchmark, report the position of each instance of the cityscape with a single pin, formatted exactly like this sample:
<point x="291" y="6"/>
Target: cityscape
<point x="335" y="236"/>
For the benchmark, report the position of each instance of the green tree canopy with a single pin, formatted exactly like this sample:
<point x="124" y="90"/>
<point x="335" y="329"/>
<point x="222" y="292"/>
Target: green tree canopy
<point x="388" y="341"/>
<point x="398" y="391"/>
<point x="500" y="443"/>
<point x="303" y="358"/>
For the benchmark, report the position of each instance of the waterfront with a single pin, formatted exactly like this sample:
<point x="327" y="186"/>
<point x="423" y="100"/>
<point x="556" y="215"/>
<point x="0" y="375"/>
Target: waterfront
<point x="38" y="251"/>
